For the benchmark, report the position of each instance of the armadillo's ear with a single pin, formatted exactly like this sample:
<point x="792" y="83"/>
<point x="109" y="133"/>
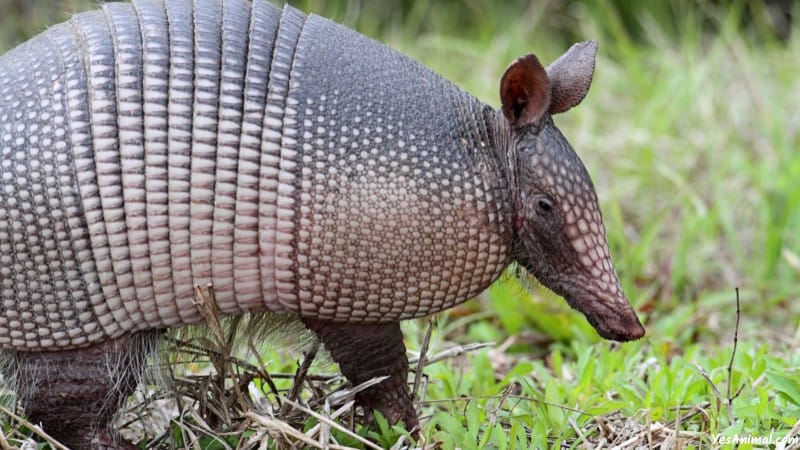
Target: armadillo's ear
<point x="524" y="91"/>
<point x="570" y="76"/>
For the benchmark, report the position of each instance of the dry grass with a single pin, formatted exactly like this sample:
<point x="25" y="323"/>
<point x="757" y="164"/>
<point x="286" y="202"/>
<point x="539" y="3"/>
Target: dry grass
<point x="216" y="396"/>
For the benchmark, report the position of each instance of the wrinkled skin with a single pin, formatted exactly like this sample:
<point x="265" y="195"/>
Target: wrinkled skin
<point x="559" y="236"/>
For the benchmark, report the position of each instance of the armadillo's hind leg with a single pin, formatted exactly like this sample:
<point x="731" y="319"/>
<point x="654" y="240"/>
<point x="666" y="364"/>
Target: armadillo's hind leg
<point x="364" y="352"/>
<point x="74" y="394"/>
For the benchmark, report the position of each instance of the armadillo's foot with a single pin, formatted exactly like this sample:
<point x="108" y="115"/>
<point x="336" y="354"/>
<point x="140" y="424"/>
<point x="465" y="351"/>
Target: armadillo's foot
<point x="364" y="352"/>
<point x="74" y="394"/>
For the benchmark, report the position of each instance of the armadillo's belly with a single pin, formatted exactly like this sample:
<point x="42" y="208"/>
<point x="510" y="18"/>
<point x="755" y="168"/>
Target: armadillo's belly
<point x="132" y="169"/>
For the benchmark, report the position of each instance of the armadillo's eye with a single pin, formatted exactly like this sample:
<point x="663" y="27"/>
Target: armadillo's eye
<point x="544" y="204"/>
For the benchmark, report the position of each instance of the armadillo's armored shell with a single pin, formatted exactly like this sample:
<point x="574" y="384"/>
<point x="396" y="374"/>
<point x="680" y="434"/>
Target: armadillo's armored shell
<point x="294" y="164"/>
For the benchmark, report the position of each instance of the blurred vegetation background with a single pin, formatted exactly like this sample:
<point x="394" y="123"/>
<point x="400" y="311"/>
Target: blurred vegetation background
<point x="481" y="20"/>
<point x="691" y="133"/>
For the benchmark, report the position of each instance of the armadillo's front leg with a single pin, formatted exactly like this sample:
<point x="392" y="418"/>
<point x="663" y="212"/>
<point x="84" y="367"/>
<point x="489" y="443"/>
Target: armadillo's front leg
<point x="364" y="352"/>
<point x="74" y="394"/>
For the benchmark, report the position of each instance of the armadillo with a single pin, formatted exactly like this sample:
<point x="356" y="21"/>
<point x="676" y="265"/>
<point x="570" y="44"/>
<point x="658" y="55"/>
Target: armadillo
<point x="295" y="165"/>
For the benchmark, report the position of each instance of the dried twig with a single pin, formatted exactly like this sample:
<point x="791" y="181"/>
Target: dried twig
<point x="727" y="400"/>
<point x="3" y="441"/>
<point x="714" y="388"/>
<point x="578" y="430"/>
<point x="299" y="379"/>
<point x="731" y="398"/>
<point x="452" y="352"/>
<point x="209" y="310"/>
<point x="324" y="419"/>
<point x="422" y="359"/>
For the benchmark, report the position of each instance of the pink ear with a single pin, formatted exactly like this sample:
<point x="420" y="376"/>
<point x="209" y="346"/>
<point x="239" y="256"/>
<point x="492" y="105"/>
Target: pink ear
<point x="525" y="91"/>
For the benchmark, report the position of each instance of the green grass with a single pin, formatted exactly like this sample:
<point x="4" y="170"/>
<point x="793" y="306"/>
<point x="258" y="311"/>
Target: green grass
<point x="690" y="132"/>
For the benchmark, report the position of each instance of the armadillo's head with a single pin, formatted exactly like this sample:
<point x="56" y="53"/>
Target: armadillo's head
<point x="559" y="233"/>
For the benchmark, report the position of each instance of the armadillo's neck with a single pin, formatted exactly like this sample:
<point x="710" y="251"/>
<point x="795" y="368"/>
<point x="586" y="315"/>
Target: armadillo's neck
<point x="502" y="147"/>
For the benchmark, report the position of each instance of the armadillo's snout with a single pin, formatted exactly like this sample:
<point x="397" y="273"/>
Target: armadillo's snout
<point x="594" y="288"/>
<point x="613" y="318"/>
<point x="599" y="297"/>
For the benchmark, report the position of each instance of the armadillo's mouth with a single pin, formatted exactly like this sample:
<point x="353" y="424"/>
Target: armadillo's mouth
<point x="613" y="319"/>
